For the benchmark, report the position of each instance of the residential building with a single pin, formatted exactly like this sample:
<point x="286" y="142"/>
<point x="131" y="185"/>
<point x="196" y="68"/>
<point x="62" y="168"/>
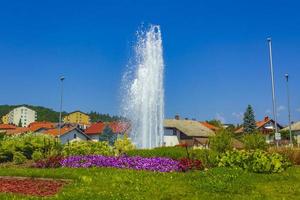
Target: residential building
<point x="96" y="129"/>
<point x="295" y="127"/>
<point x="78" y="117"/>
<point x="6" y="127"/>
<point x="5" y="119"/>
<point x="17" y="131"/>
<point x="210" y="126"/>
<point x="67" y="134"/>
<point x="41" y="126"/>
<point x="266" y="127"/>
<point x="22" y="115"/>
<point x="189" y="132"/>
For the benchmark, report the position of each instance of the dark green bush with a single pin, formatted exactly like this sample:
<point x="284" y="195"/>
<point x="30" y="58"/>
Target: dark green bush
<point x="208" y="157"/>
<point x="221" y="142"/>
<point x="254" y="141"/>
<point x="169" y="152"/>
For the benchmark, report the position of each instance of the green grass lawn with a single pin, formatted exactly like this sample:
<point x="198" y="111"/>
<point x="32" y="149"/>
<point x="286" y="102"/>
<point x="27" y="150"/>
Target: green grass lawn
<point x="218" y="183"/>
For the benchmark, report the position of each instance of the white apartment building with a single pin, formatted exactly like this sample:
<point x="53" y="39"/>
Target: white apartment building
<point x="22" y="114"/>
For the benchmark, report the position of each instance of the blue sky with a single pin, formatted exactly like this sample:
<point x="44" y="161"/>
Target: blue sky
<point x="215" y="52"/>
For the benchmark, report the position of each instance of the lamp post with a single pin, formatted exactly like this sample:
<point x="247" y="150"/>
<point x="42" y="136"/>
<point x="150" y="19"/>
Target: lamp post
<point x="273" y="89"/>
<point x="62" y="78"/>
<point x="289" y="106"/>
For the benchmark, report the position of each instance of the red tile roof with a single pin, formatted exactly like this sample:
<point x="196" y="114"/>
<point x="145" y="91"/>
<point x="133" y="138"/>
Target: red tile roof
<point x="7" y="127"/>
<point x="96" y="128"/>
<point x="119" y="127"/>
<point x="34" y="126"/>
<point x="55" y="131"/>
<point x="259" y="124"/>
<point x="211" y="127"/>
<point x="17" y="131"/>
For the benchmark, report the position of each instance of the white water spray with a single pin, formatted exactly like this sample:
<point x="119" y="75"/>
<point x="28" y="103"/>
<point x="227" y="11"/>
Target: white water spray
<point x="144" y="91"/>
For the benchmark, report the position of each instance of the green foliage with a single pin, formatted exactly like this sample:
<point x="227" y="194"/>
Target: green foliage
<point x="123" y="145"/>
<point x="87" y="148"/>
<point x="112" y="184"/>
<point x="20" y="123"/>
<point x="26" y="144"/>
<point x="37" y="155"/>
<point x="249" y="120"/>
<point x="108" y="136"/>
<point x="208" y="157"/>
<point x="18" y="158"/>
<point x="254" y="141"/>
<point x="255" y="161"/>
<point x="96" y="117"/>
<point x="169" y="152"/>
<point x="43" y="114"/>
<point x="221" y="142"/>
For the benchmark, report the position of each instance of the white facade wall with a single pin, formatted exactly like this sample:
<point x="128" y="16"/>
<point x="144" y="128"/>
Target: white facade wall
<point x="170" y="141"/>
<point x="26" y="115"/>
<point x="71" y="136"/>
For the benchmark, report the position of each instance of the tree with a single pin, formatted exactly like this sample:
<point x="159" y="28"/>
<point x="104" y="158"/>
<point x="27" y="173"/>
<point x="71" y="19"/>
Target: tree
<point x="249" y="120"/>
<point x="108" y="136"/>
<point x="20" y="123"/>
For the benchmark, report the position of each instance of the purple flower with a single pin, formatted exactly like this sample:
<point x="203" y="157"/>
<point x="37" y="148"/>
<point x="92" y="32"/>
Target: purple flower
<point x="123" y="162"/>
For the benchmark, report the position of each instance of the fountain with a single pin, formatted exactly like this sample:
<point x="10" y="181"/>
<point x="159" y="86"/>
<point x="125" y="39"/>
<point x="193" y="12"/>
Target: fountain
<point x="143" y="101"/>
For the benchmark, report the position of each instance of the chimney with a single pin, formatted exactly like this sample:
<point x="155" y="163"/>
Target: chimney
<point x="177" y="117"/>
<point x="266" y="118"/>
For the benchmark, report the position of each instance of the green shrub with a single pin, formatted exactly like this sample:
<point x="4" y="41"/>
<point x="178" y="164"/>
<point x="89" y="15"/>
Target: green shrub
<point x="19" y="158"/>
<point x="169" y="152"/>
<point x="37" y="155"/>
<point x="87" y="148"/>
<point x="221" y="142"/>
<point x="254" y="141"/>
<point x="26" y="144"/>
<point x="208" y="157"/>
<point x="123" y="145"/>
<point x="256" y="161"/>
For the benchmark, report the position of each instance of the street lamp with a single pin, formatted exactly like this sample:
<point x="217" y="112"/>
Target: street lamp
<point x="62" y="78"/>
<point x="273" y="90"/>
<point x="289" y="107"/>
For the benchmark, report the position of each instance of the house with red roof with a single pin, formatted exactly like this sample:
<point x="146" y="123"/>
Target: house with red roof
<point x="41" y="126"/>
<point x="210" y="126"/>
<point x="266" y="127"/>
<point x="96" y="129"/>
<point x="4" y="127"/>
<point x="67" y="134"/>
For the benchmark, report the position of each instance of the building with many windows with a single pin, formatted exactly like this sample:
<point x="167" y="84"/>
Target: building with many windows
<point x="77" y="117"/>
<point x="22" y="116"/>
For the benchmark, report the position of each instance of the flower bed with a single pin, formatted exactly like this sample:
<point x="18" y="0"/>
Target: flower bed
<point x="138" y="163"/>
<point x="30" y="186"/>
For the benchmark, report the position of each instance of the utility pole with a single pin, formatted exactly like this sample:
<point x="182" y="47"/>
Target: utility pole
<point x="273" y="89"/>
<point x="62" y="78"/>
<point x="289" y="107"/>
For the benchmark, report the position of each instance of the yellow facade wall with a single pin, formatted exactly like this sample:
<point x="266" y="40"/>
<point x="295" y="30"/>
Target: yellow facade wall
<point x="77" y="117"/>
<point x="5" y="119"/>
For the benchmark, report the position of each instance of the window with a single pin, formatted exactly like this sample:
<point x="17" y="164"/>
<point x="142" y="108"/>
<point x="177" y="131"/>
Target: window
<point x="75" y="136"/>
